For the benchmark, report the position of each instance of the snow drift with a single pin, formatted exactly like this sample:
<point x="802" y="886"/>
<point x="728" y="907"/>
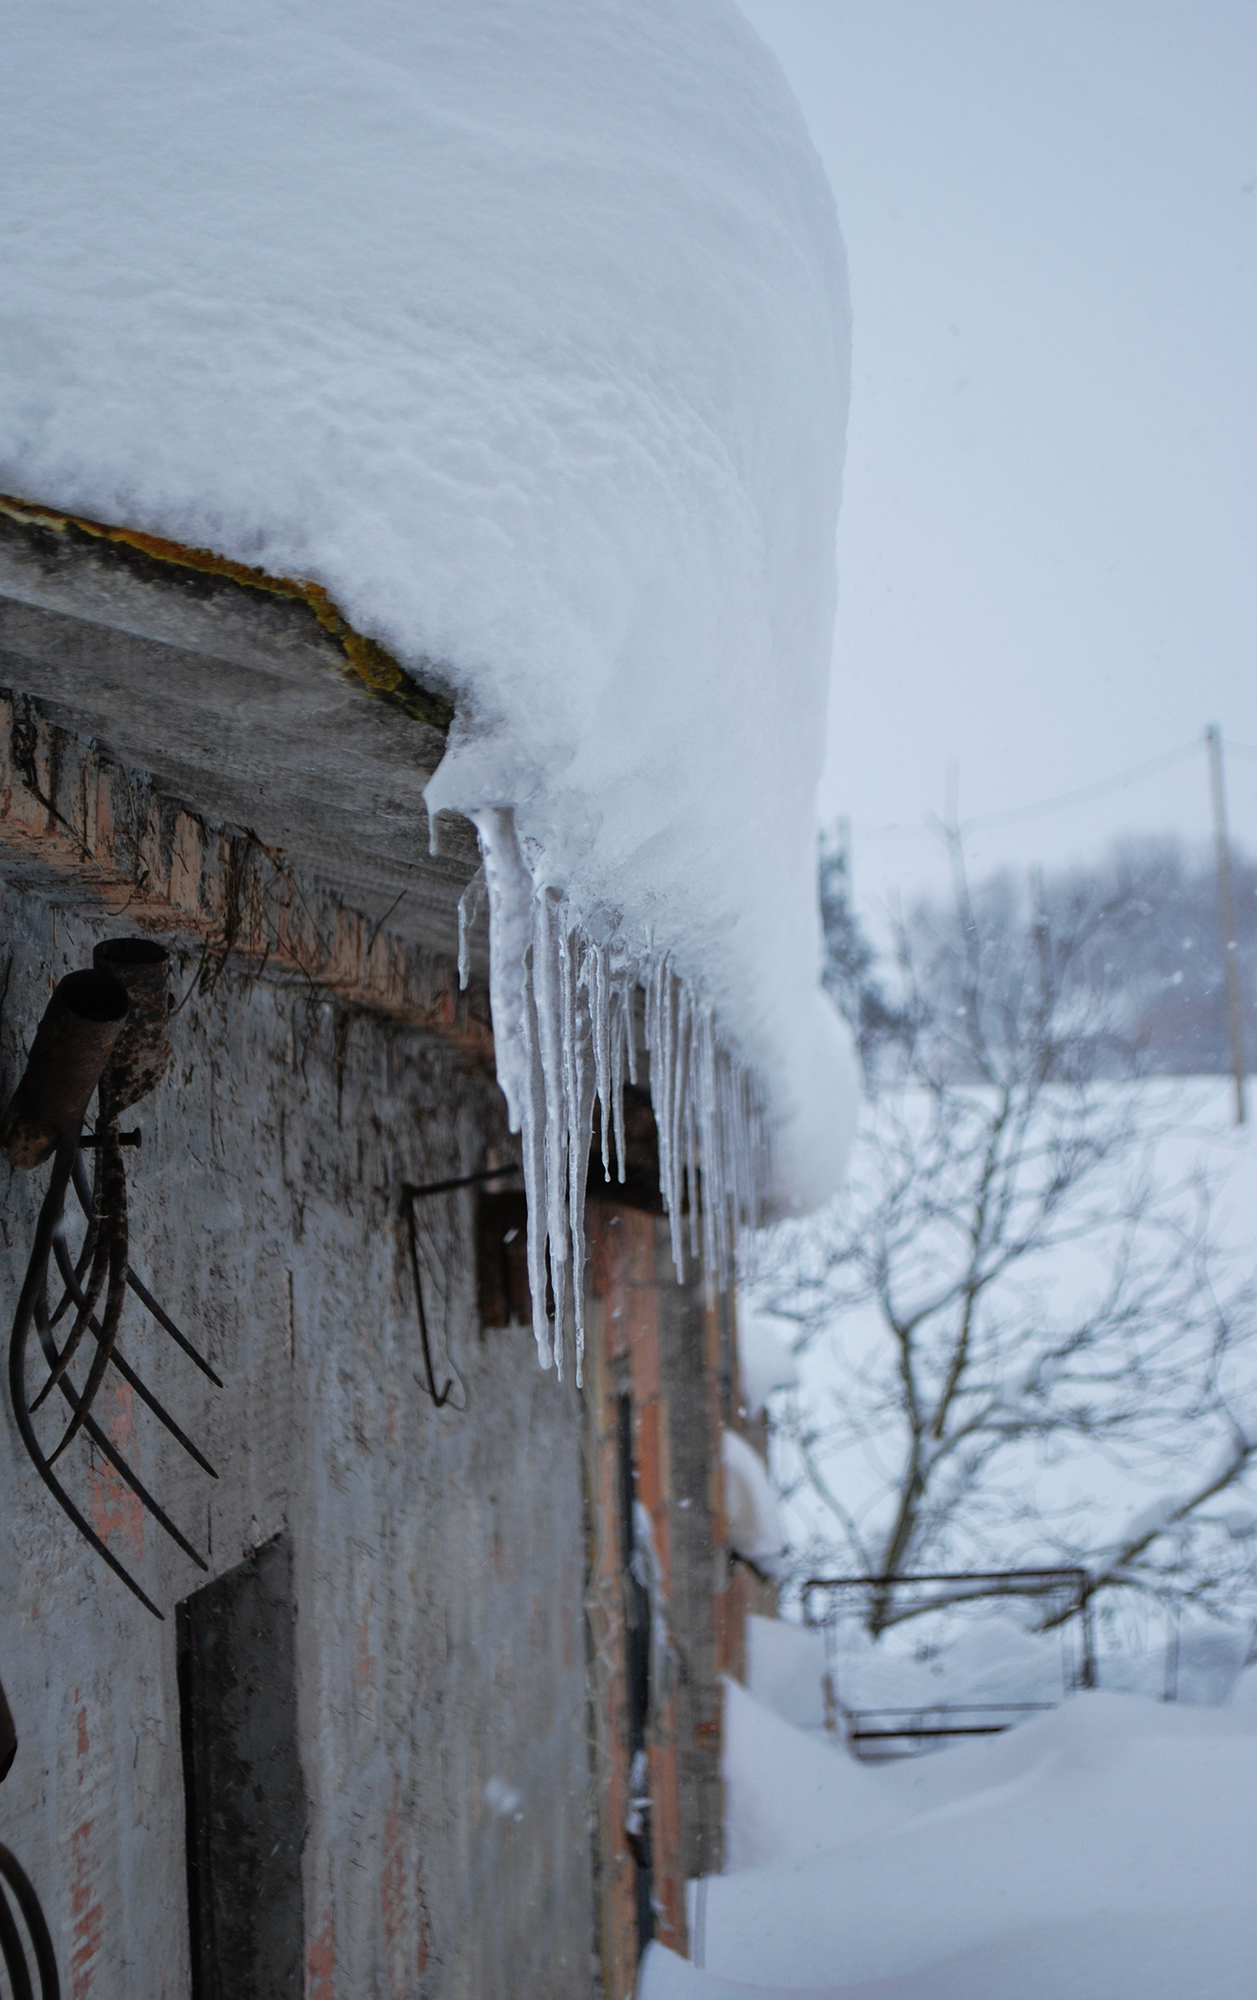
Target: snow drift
<point x="752" y="1518"/>
<point x="521" y="329"/>
<point x="1102" y="1851"/>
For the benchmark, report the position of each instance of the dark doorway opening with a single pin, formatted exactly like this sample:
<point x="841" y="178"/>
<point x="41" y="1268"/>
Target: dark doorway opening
<point x="244" y="1796"/>
<point x="637" y="1678"/>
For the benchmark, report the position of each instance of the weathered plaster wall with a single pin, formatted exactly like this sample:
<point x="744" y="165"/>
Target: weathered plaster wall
<point x="438" y="1554"/>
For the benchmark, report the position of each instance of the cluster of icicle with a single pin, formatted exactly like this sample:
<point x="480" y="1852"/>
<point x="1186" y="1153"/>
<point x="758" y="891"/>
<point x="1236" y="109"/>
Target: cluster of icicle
<point x="565" y="1012"/>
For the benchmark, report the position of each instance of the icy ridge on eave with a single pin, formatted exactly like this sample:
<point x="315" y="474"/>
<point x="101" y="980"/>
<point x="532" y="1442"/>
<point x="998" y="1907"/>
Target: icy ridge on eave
<point x="521" y="331"/>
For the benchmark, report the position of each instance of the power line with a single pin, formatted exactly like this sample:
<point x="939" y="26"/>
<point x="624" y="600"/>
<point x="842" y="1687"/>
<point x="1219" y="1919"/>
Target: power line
<point x="901" y="830"/>
<point x="894" y="830"/>
<point x="898" y="829"/>
<point x="1114" y="784"/>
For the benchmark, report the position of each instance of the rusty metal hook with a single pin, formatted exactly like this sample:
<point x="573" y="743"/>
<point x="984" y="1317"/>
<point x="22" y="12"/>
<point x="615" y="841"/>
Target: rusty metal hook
<point x="410" y="1195"/>
<point x="440" y="1397"/>
<point x="464" y="1180"/>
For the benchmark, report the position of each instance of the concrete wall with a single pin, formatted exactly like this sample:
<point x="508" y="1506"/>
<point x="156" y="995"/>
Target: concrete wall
<point x="438" y="1554"/>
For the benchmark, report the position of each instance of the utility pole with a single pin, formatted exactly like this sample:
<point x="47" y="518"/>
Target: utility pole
<point x="1226" y="910"/>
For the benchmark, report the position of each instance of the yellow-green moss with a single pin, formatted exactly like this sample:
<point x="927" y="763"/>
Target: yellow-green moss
<point x="369" y="662"/>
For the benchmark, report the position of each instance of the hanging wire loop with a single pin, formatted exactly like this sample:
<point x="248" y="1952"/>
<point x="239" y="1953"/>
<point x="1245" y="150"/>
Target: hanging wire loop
<point x="410" y="1195"/>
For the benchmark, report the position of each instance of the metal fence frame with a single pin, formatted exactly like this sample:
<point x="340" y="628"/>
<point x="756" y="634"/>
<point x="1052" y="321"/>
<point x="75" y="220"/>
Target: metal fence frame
<point x="928" y="1725"/>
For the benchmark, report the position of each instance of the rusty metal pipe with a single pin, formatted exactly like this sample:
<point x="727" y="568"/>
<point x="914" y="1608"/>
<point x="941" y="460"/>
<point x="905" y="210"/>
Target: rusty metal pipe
<point x="141" y="1054"/>
<point x="72" y="1045"/>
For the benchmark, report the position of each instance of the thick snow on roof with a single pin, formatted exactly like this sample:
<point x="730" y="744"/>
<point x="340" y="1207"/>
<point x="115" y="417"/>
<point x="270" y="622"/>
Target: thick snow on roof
<point x="521" y="326"/>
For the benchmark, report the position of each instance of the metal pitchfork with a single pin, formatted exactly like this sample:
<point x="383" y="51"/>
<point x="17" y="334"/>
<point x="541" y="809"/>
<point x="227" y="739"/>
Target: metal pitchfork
<point x="108" y="1031"/>
<point x="14" y="1882"/>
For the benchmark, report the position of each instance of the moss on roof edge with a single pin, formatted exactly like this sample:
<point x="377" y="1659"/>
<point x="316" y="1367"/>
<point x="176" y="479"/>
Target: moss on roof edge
<point x="375" y="668"/>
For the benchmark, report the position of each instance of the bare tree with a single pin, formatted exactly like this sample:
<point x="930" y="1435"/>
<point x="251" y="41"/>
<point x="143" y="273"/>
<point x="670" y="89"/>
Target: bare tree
<point x="1011" y="1284"/>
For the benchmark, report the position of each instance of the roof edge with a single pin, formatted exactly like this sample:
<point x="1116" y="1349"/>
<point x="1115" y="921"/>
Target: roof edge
<point x="371" y="664"/>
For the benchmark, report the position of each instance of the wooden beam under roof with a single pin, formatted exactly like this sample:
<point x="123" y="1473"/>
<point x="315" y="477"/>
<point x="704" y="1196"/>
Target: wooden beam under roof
<point x="247" y="698"/>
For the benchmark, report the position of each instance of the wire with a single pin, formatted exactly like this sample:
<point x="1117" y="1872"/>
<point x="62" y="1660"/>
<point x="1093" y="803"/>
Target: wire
<point x="1113" y="784"/>
<point x="1103" y="785"/>
<point x="897" y="829"/>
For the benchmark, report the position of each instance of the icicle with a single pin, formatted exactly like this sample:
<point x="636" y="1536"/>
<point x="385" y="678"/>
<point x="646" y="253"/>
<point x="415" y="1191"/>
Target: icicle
<point x="681" y="1166"/>
<point x="650" y="990"/>
<point x="534" y="1152"/>
<point x="621" y="1044"/>
<point x="725" y="1220"/>
<point x="709" y="1152"/>
<point x="598" y="988"/>
<point x="552" y="1031"/>
<point x="658" y="1042"/>
<point x="510" y="940"/>
<point x="630" y="1028"/>
<point x="468" y="911"/>
<point x="565" y="1028"/>
<point x="578" y="1103"/>
<point x="693" y="1191"/>
<point x="580" y="1139"/>
<point x="721" y="1193"/>
<point x="665" y="1114"/>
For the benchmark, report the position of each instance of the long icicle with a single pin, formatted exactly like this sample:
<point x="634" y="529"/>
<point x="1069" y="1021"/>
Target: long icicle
<point x="565" y="1028"/>
<point x="550" y="1038"/>
<point x="597" y="985"/>
<point x="579" y="1146"/>
<point x="621" y="1043"/>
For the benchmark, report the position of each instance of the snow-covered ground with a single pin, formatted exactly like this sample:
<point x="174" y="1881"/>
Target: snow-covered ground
<point x="1102" y="1851"/>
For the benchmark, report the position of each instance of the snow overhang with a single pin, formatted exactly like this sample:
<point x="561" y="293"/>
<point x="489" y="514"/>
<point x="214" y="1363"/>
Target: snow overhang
<point x="521" y="335"/>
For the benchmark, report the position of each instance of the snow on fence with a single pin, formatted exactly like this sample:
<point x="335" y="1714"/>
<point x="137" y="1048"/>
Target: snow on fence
<point x="876" y="1732"/>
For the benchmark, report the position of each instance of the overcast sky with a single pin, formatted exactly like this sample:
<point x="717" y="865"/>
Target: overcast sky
<point x="1048" y="549"/>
